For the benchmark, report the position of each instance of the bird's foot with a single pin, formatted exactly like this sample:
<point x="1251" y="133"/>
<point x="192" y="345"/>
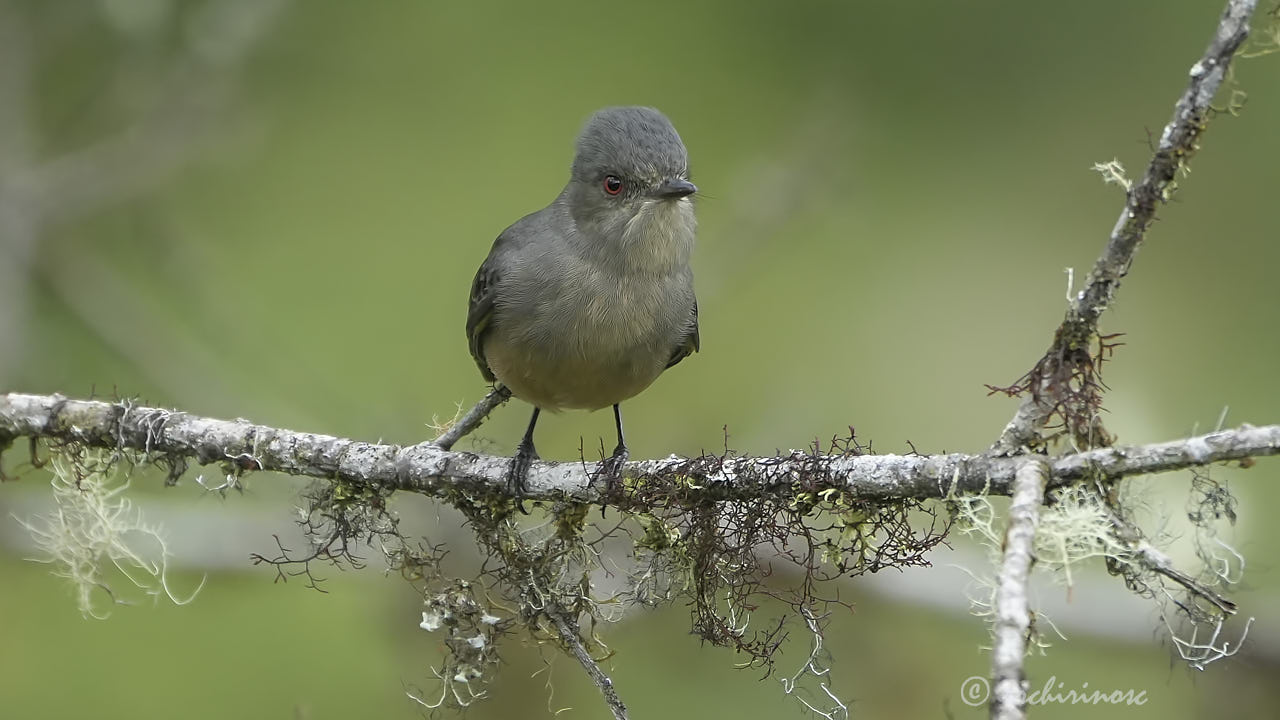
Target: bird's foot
<point x="611" y="467"/>
<point x="519" y="473"/>
<point x="611" y="471"/>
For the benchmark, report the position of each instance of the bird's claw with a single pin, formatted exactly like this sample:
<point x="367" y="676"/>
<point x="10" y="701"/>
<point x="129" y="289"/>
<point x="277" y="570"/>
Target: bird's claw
<point x="611" y="470"/>
<point x="519" y="474"/>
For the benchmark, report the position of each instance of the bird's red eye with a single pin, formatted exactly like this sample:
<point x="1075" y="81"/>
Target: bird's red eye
<point x="612" y="184"/>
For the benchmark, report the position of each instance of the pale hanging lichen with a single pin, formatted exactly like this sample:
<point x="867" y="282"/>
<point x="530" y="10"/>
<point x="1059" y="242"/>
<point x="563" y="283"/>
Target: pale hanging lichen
<point x="95" y="535"/>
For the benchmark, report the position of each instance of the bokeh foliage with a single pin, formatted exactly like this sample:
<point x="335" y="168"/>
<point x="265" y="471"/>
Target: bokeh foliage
<point x="891" y="191"/>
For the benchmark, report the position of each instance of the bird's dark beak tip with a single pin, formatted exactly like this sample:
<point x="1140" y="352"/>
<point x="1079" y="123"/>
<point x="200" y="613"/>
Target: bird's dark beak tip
<point x="676" y="188"/>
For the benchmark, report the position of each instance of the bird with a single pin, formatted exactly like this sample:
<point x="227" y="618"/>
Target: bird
<point x="584" y="303"/>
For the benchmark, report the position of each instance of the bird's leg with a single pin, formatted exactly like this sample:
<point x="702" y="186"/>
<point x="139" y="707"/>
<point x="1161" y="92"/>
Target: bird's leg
<point x="620" y="453"/>
<point x="613" y="465"/>
<point x="525" y="454"/>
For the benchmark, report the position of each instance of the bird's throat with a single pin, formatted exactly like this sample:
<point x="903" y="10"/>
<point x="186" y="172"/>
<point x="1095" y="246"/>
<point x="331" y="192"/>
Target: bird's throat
<point x="659" y="238"/>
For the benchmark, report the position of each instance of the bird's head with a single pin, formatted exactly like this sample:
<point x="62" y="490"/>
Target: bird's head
<point x="630" y="187"/>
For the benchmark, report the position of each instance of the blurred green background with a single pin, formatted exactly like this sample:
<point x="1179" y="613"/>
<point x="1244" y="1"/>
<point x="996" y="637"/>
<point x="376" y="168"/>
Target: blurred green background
<point x="274" y="210"/>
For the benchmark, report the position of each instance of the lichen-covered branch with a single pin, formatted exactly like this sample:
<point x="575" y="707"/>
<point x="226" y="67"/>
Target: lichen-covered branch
<point x="1073" y="359"/>
<point x="1012" y="604"/>
<point x="240" y="446"/>
<point x="573" y="643"/>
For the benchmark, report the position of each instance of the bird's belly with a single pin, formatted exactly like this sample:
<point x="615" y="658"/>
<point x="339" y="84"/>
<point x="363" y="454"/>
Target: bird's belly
<point x="580" y="349"/>
<point x="572" y="380"/>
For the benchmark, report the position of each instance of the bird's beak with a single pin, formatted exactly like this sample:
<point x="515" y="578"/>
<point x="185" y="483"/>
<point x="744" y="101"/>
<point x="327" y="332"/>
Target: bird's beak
<point x="676" y="188"/>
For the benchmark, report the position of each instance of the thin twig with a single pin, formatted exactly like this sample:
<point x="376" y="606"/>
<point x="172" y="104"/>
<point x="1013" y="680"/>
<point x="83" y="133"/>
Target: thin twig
<point x="573" y="642"/>
<point x="476" y="415"/>
<point x="1159" y="563"/>
<point x="1012" y="605"/>
<point x="1177" y="144"/>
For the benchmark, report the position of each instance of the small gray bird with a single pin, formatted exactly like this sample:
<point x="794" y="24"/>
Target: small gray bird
<point x="585" y="302"/>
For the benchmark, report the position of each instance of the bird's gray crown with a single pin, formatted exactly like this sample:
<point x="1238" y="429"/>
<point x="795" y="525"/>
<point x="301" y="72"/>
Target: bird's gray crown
<point x="638" y="142"/>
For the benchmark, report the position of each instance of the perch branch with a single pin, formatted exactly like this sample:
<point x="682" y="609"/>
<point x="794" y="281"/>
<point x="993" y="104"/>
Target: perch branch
<point x="239" y="445"/>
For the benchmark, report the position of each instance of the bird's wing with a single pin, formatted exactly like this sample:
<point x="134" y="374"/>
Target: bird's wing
<point x="690" y="343"/>
<point x="480" y="309"/>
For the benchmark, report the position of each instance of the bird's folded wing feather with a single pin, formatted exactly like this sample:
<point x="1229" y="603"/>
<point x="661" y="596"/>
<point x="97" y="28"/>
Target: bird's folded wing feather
<point x="480" y="309"/>
<point x="690" y="343"/>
